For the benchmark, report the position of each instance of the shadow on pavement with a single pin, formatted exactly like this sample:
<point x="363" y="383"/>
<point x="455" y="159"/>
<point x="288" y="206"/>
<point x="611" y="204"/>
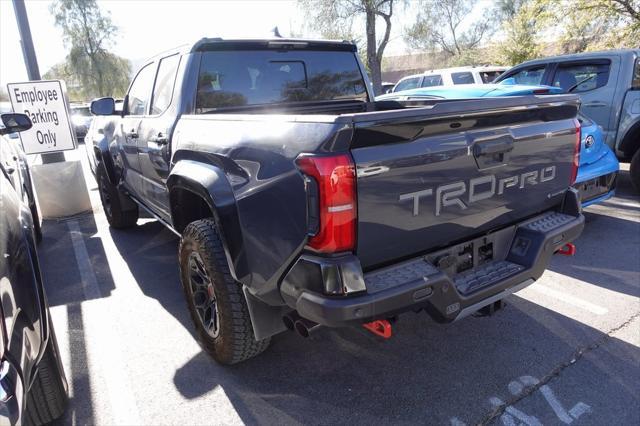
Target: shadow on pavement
<point x="428" y="373"/>
<point x="151" y="253"/>
<point x="57" y="257"/>
<point x="64" y="285"/>
<point x="609" y="247"/>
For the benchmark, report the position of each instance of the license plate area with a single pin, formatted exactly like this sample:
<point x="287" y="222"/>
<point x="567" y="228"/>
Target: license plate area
<point x="470" y="255"/>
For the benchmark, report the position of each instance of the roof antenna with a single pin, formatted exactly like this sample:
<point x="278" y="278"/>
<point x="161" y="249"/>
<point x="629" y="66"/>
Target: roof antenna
<point x="276" y="32"/>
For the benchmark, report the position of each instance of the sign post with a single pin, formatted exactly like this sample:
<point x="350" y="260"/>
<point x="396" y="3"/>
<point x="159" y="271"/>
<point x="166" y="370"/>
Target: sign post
<point x="30" y="60"/>
<point x="44" y="102"/>
<point x="60" y="185"/>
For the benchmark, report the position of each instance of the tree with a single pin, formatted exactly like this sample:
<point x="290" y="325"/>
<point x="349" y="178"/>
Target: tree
<point x="522" y="24"/>
<point x="335" y="19"/>
<point x="595" y="24"/>
<point x="88" y="33"/>
<point x="448" y="25"/>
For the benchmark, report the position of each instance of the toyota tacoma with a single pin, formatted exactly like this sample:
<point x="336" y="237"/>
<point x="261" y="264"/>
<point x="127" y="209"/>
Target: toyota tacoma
<point x="301" y="202"/>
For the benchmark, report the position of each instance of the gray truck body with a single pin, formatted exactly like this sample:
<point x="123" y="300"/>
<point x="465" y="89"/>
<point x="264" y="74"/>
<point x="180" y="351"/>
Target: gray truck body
<point x="459" y="203"/>
<point x="612" y="99"/>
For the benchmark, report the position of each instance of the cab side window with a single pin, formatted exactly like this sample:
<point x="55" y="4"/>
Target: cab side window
<point x="165" y="80"/>
<point x="140" y="91"/>
<point x="410" y="83"/>
<point x="462" y="78"/>
<point x="432" y="80"/>
<point x="583" y="77"/>
<point x="529" y="76"/>
<point x="635" y="84"/>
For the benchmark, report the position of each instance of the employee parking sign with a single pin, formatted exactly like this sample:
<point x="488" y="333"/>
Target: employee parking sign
<point x="45" y="104"/>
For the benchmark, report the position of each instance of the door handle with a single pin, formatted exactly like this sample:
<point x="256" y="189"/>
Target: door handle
<point x="497" y="146"/>
<point x="595" y="104"/>
<point x="160" y="139"/>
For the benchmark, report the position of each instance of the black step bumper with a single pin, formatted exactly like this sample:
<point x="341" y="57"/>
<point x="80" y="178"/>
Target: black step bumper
<point x="419" y="284"/>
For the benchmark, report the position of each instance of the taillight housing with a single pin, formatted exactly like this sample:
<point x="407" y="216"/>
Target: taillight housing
<point x="576" y="152"/>
<point x="334" y="181"/>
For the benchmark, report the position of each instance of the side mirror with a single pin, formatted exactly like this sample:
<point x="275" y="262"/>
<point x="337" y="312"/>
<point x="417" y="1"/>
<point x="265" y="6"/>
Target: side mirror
<point x="14" y="122"/>
<point x="103" y="106"/>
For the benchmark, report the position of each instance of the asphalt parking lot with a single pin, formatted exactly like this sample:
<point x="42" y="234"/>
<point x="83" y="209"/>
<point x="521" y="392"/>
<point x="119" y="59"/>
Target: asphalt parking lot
<point x="564" y="351"/>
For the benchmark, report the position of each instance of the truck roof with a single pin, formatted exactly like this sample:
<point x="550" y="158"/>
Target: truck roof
<point x="583" y="55"/>
<point x="220" y="43"/>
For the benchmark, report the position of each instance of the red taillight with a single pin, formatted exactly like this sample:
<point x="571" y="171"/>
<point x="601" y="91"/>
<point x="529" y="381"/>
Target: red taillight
<point x="576" y="153"/>
<point x="335" y="177"/>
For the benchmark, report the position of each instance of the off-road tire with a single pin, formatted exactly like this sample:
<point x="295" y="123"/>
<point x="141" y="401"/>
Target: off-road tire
<point x="634" y="170"/>
<point x="111" y="198"/>
<point x="48" y="395"/>
<point x="235" y="341"/>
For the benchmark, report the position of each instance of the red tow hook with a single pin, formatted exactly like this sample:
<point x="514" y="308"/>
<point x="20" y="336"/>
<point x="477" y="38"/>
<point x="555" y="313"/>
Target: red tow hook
<point x="567" y="250"/>
<point x="380" y="328"/>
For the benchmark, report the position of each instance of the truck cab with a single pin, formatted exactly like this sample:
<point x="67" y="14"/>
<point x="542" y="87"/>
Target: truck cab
<point x="608" y="83"/>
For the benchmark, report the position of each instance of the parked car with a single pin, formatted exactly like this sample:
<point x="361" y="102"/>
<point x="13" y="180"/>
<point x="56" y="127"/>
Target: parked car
<point x="33" y="386"/>
<point x="450" y="77"/>
<point x="15" y="162"/>
<point x="301" y="202"/>
<point x="469" y="91"/>
<point x="387" y="87"/>
<point x="598" y="164"/>
<point x="95" y="134"/>
<point x="608" y="83"/>
<point x="81" y="119"/>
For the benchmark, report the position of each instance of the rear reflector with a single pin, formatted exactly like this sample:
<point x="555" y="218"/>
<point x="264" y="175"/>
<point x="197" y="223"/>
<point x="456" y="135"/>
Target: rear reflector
<point x="576" y="153"/>
<point x="336" y="201"/>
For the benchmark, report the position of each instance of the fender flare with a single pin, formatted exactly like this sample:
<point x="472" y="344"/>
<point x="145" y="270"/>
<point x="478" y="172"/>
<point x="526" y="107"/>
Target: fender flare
<point x="210" y="184"/>
<point x="103" y="159"/>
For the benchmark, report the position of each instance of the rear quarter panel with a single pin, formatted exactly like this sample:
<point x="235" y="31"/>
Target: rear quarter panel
<point x="257" y="154"/>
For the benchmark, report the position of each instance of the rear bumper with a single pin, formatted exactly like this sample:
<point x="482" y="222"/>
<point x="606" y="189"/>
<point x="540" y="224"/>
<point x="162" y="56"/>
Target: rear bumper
<point x="596" y="181"/>
<point x="418" y="283"/>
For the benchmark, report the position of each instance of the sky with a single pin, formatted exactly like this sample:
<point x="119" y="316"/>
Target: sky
<point x="148" y="27"/>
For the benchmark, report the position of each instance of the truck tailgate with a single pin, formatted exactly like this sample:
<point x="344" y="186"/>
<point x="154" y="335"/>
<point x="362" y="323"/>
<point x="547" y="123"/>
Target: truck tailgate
<point x="432" y="180"/>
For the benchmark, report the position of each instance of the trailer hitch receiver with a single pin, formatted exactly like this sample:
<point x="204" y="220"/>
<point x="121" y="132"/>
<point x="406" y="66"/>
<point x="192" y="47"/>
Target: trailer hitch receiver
<point x="380" y="328"/>
<point x="568" y="249"/>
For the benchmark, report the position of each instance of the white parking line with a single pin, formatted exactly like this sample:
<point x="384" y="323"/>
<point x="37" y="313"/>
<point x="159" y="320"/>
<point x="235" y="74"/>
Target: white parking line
<point x="123" y="403"/>
<point x="568" y="299"/>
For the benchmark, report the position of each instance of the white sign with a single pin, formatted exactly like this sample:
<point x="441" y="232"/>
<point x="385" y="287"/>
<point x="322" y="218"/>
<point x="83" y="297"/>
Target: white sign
<point x="45" y="104"/>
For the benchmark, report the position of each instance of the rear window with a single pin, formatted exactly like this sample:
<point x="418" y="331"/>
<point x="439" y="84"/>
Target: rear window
<point x="489" y="76"/>
<point x="462" y="78"/>
<point x="636" y="75"/>
<point x="256" y="77"/>
<point x="409" y="83"/>
<point x="432" y="80"/>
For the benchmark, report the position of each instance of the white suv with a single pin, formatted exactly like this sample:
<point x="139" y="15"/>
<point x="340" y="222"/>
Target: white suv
<point x="450" y="76"/>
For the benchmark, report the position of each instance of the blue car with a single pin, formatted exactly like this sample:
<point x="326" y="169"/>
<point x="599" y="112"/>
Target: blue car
<point x="468" y="91"/>
<point x="598" y="166"/>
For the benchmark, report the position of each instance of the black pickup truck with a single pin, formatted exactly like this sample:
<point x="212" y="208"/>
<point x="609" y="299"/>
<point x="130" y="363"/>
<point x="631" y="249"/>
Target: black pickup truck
<point x="301" y="202"/>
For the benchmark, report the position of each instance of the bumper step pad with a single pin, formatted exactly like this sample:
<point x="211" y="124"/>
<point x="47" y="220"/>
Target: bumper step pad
<point x="404" y="273"/>
<point x="486" y="275"/>
<point x="548" y="222"/>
